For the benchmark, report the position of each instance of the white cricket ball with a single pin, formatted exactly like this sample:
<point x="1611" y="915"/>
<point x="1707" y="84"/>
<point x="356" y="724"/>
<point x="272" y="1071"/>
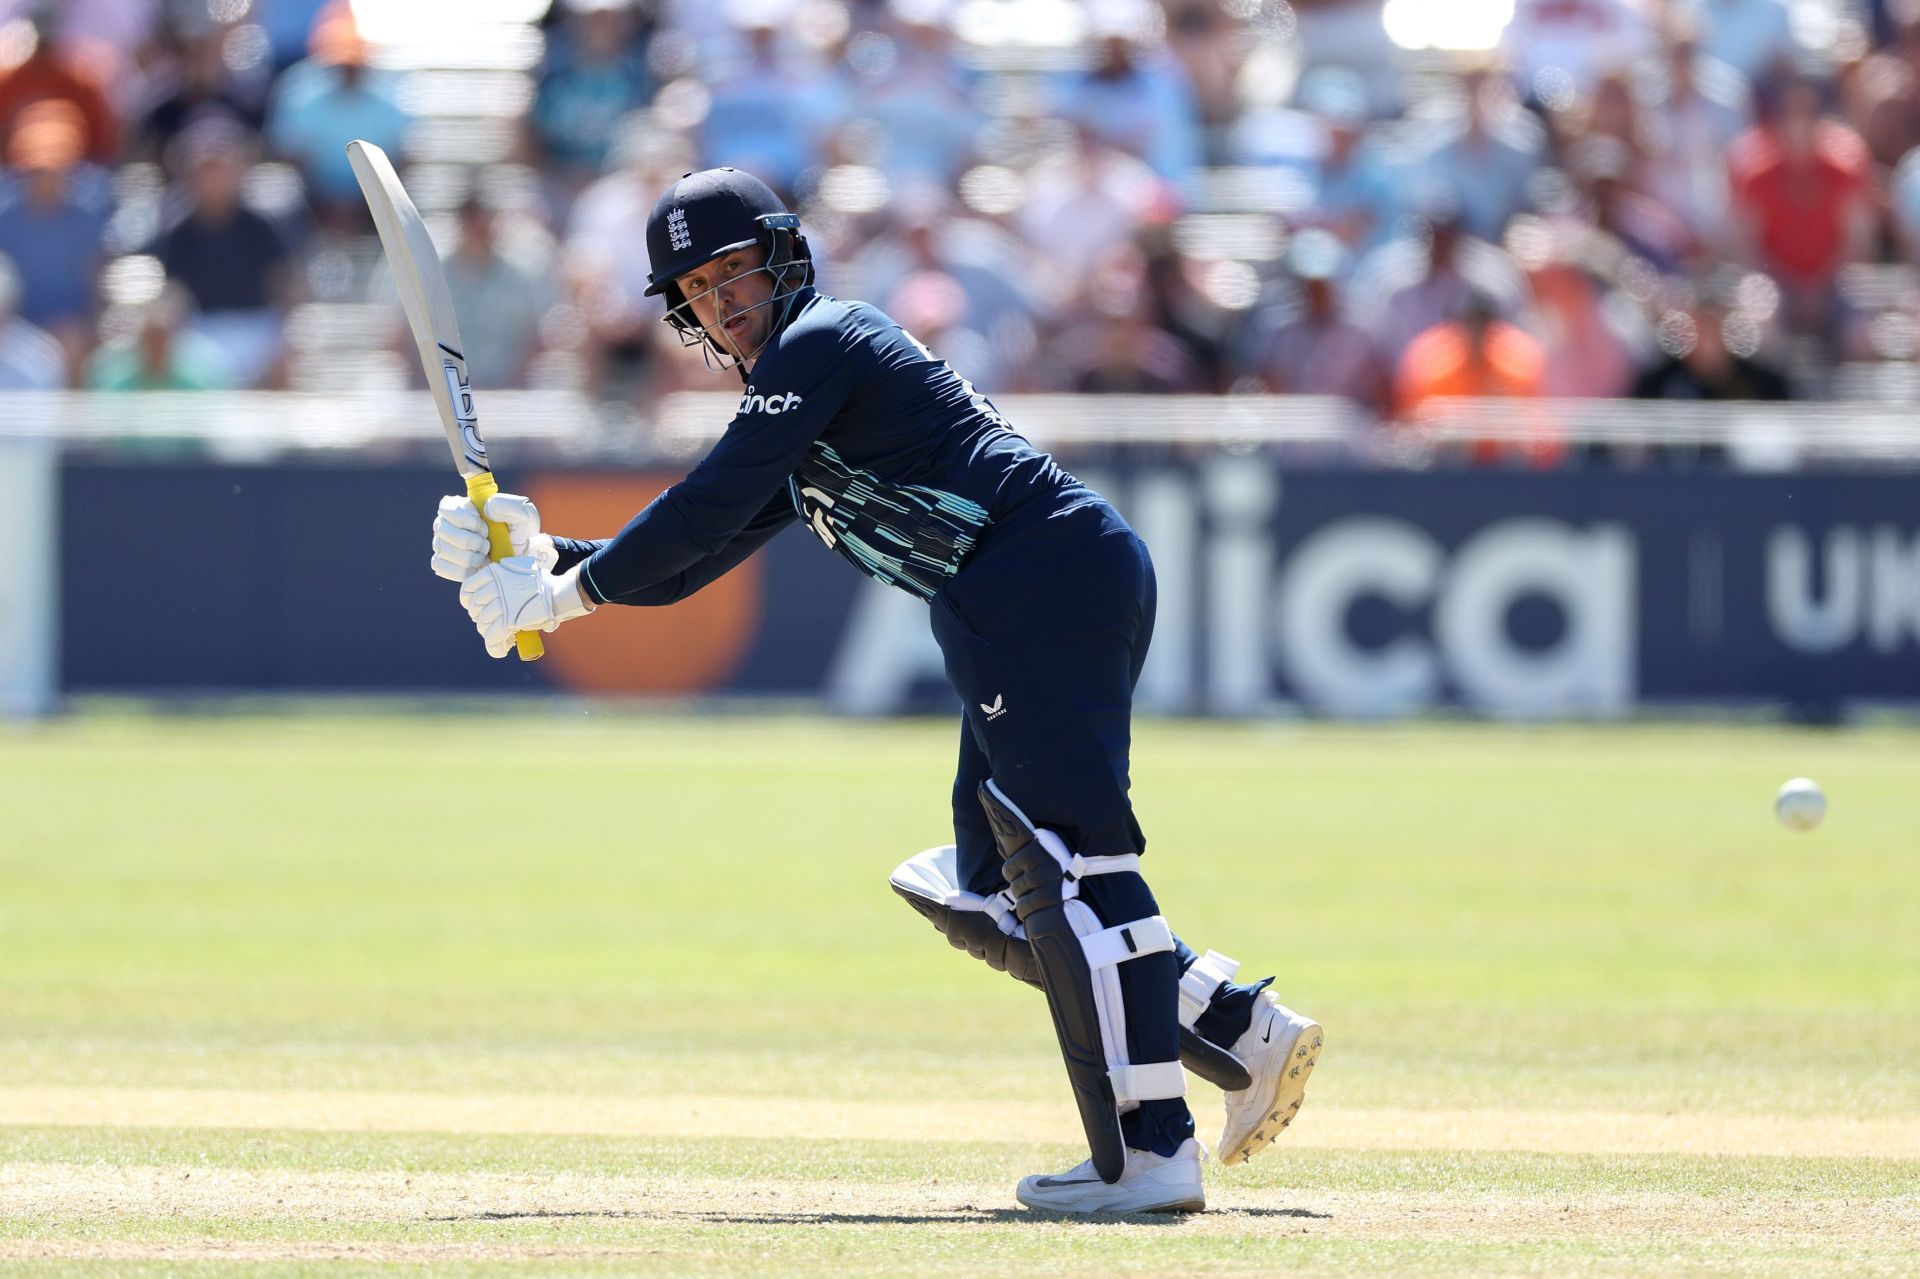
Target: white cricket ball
<point x="1801" y="804"/>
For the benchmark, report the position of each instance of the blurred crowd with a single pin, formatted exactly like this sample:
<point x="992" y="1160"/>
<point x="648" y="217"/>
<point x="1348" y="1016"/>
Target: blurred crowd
<point x="1683" y="199"/>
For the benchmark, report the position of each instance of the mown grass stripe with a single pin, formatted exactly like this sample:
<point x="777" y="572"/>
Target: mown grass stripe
<point x="769" y="1159"/>
<point x="42" y="1201"/>
<point x="722" y="1115"/>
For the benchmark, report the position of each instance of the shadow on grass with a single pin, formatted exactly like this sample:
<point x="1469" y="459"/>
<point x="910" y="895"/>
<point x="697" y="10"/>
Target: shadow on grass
<point x="957" y="1216"/>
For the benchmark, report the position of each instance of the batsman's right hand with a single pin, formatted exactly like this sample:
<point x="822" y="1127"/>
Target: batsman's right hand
<point x="460" y="535"/>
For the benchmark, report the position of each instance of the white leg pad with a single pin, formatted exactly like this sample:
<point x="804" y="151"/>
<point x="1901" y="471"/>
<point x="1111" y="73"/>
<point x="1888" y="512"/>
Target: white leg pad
<point x="1106" y="949"/>
<point x="935" y="875"/>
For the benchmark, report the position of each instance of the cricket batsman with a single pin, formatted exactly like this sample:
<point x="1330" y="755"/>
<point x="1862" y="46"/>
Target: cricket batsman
<point x="1042" y="601"/>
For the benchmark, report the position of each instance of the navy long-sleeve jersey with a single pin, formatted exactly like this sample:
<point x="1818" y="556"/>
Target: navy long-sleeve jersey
<point x="1042" y="599"/>
<point x="854" y="427"/>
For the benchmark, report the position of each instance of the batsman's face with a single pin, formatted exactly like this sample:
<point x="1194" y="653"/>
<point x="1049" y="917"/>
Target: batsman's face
<point x="729" y="298"/>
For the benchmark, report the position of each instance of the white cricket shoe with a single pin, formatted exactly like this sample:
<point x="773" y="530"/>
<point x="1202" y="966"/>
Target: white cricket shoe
<point x="1151" y="1183"/>
<point x="1279" y="1049"/>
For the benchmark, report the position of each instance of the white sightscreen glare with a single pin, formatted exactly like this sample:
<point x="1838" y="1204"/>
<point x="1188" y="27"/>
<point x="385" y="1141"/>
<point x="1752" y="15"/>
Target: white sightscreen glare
<point x="426" y="21"/>
<point x="1447" y="24"/>
<point x="29" y="602"/>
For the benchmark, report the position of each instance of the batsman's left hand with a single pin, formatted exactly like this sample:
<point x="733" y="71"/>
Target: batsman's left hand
<point x="517" y="594"/>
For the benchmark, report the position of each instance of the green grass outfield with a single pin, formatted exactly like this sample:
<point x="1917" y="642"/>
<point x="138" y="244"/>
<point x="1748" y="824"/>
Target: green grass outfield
<point x="336" y="992"/>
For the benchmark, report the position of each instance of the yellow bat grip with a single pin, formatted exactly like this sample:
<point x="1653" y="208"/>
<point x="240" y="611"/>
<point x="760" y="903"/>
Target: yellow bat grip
<point x="500" y="545"/>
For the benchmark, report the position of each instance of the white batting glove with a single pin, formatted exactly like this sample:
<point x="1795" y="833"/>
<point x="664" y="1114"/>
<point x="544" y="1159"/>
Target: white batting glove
<point x="517" y="594"/>
<point x="460" y="535"/>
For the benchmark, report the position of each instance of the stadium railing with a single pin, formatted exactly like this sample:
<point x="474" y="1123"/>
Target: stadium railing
<point x="564" y="426"/>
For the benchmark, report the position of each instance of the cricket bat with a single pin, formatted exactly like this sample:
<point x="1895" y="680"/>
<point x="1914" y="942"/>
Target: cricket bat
<point x="429" y="307"/>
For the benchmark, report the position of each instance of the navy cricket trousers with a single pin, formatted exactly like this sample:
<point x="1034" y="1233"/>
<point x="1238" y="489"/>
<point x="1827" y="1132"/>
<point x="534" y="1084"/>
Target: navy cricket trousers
<point x="1044" y="633"/>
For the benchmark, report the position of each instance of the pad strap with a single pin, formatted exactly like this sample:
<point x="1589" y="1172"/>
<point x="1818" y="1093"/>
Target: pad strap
<point x="1080" y="867"/>
<point x="1076" y="866"/>
<point x="1117" y="945"/>
<point x="1202" y="980"/>
<point x="999" y="906"/>
<point x="1154" y="1081"/>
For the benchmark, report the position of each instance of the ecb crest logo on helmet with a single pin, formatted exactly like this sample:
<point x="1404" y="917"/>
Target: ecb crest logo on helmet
<point x="677" y="233"/>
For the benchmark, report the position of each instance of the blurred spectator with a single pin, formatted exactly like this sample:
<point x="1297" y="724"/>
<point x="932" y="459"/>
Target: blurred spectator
<point x="594" y="77"/>
<point x="606" y="269"/>
<point x="1602" y="166"/>
<point x="1113" y="345"/>
<point x="1211" y="48"/>
<point x="1305" y="345"/>
<point x="1485" y="155"/>
<point x="704" y="37"/>
<point x="1180" y="302"/>
<point x="1356" y="193"/>
<point x="1707" y="354"/>
<point x="915" y="98"/>
<point x="1904" y="195"/>
<point x="30" y="360"/>
<point x="289" y="25"/>
<point x="1084" y="204"/>
<point x="925" y="44"/>
<point x="1425" y="278"/>
<point x="1694" y="107"/>
<point x="160" y="355"/>
<point x="54" y="211"/>
<point x="1008" y="210"/>
<point x="1477" y="354"/>
<point x="1754" y="37"/>
<point x="1802" y="187"/>
<point x="932" y="306"/>
<point x="106" y="42"/>
<point x="500" y="299"/>
<point x="1880" y="97"/>
<point x="1287" y="139"/>
<point x="1594" y="334"/>
<point x="51" y="72"/>
<point x="197" y="82"/>
<point x="933" y="237"/>
<point x="1699" y="363"/>
<point x="230" y="259"/>
<point x="1611" y="112"/>
<point x="1560" y="49"/>
<point x="1135" y="96"/>
<point x="774" y="113"/>
<point x="1124" y="354"/>
<point x="1902" y="32"/>
<point x="1340" y="33"/>
<point x="327" y="101"/>
<point x="106" y="35"/>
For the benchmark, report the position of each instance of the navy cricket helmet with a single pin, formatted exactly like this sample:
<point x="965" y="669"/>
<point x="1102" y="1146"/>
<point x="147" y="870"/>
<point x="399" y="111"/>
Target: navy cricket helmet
<point x="712" y="213"/>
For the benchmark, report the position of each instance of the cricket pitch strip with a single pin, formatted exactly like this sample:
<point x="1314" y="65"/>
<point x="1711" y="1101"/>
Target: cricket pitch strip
<point x="100" y="1215"/>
